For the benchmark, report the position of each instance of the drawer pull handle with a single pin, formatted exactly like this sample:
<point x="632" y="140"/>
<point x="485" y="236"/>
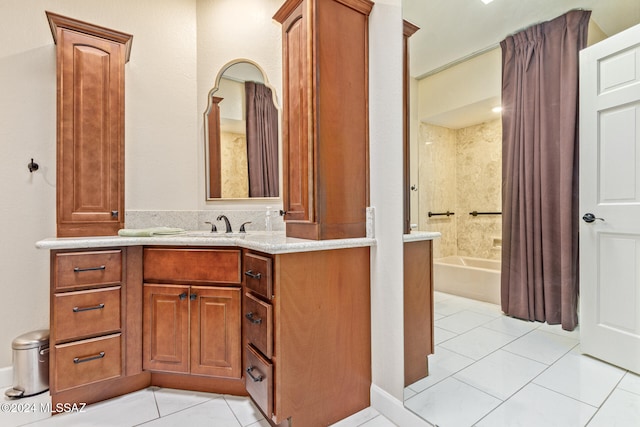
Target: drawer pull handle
<point x="257" y="379"/>
<point x="254" y="320"/>
<point x="77" y="360"/>
<point x="80" y="270"/>
<point x="95" y="307"/>
<point x="182" y="296"/>
<point x="253" y="275"/>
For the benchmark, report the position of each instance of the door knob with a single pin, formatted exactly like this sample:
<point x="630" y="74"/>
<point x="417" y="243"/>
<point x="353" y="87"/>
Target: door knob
<point x="589" y="218"/>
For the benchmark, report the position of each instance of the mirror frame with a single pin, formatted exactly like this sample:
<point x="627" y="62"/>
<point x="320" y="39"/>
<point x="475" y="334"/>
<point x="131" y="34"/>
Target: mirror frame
<point x="212" y="145"/>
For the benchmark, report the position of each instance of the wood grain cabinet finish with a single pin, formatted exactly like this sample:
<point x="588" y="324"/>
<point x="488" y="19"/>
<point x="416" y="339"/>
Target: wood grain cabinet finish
<point x="325" y="124"/>
<point x="191" y="328"/>
<point x="307" y="348"/>
<point x="86" y="313"/>
<point x="88" y="362"/>
<point x="418" y="309"/>
<point x="95" y="324"/>
<point x="192" y="265"/>
<point x="258" y="272"/>
<point x="77" y="270"/>
<point x="215" y="332"/>
<point x="90" y="127"/>
<point x="408" y="29"/>
<point x="166" y="328"/>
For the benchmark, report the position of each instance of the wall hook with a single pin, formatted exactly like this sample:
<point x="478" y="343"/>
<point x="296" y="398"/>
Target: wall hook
<point x="33" y="166"/>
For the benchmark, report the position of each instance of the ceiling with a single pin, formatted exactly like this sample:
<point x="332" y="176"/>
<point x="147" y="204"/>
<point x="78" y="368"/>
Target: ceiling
<point x="453" y="29"/>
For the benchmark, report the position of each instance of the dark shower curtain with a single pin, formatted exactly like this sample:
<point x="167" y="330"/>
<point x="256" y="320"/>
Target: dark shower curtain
<point x="540" y="170"/>
<point x="262" y="141"/>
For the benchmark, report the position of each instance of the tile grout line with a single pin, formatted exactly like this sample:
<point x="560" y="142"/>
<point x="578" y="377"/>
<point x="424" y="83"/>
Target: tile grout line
<point x="483" y="325"/>
<point x="607" y="398"/>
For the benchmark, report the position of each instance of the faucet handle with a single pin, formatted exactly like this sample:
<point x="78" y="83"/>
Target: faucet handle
<point x="242" y="230"/>
<point x="213" y="226"/>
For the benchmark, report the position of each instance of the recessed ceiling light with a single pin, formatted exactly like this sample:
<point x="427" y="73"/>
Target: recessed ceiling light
<point x="486" y="1"/>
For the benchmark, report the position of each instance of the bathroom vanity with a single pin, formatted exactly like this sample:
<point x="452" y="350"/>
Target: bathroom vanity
<point x="284" y="320"/>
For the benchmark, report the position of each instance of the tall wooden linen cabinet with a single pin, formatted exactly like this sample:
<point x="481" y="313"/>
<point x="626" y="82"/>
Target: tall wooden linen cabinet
<point x="90" y="127"/>
<point x="325" y="124"/>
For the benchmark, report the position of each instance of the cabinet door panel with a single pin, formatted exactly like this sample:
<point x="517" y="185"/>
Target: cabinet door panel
<point x="166" y="325"/>
<point x="215" y="331"/>
<point x="90" y="135"/>
<point x="297" y="148"/>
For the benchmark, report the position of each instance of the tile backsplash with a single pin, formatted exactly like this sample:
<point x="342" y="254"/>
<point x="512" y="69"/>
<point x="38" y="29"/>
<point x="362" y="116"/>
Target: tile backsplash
<point x="195" y="220"/>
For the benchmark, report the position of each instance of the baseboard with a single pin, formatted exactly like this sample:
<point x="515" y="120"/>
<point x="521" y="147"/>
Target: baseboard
<point x="394" y="409"/>
<point x="6" y="377"/>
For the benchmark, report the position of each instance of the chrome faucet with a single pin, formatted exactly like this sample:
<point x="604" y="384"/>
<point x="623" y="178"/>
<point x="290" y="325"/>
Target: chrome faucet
<point x="226" y="223"/>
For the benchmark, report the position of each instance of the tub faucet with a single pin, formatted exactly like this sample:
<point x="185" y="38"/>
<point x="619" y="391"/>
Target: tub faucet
<point x="226" y="223"/>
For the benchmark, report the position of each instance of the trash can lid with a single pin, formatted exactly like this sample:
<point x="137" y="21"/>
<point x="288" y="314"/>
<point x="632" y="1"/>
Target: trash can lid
<point x="31" y="340"/>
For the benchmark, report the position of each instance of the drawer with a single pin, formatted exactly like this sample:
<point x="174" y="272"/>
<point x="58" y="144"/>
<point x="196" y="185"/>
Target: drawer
<point x="84" y="313"/>
<point x="259" y="379"/>
<point x="257" y="271"/>
<point x="87" y="362"/>
<point x="258" y="324"/>
<point x="81" y="269"/>
<point x="192" y="265"/>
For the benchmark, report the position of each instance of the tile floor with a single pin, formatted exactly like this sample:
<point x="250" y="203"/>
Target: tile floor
<point x="488" y="370"/>
<point x="158" y="407"/>
<point x="492" y="370"/>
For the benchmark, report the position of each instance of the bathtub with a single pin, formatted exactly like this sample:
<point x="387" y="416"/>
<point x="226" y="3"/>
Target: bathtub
<point x="474" y="278"/>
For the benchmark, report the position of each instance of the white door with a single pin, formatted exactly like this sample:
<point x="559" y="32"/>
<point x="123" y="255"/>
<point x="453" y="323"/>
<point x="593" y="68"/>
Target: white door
<point x="610" y="191"/>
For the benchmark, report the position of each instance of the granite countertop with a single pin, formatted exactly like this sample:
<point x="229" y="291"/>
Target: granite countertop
<point x="268" y="242"/>
<point x="416" y="236"/>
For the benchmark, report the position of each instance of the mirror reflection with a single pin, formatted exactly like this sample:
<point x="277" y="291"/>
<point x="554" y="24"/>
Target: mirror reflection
<point x="455" y="138"/>
<point x="241" y="135"/>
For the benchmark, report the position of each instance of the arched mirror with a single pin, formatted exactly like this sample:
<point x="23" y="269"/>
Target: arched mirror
<point x="242" y="135"/>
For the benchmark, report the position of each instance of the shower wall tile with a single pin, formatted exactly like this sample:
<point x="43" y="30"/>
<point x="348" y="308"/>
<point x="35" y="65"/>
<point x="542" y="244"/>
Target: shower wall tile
<point x="479" y="184"/>
<point x="234" y="172"/>
<point x="437" y="184"/>
<point x="461" y="171"/>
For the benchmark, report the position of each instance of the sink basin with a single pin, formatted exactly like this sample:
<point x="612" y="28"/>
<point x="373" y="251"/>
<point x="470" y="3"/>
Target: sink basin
<point x="208" y="234"/>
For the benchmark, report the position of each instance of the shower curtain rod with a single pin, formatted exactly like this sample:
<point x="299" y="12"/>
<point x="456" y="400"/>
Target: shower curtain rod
<point x="480" y="51"/>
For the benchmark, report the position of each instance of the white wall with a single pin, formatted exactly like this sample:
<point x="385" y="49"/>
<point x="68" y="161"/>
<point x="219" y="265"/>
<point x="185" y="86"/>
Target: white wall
<point x="385" y="113"/>
<point x="160" y="133"/>
<point x="470" y="82"/>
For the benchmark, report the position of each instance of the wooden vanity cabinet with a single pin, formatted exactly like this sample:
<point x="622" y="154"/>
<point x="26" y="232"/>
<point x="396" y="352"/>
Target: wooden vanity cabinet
<point x="325" y="121"/>
<point x="307" y="334"/>
<point x="95" y="324"/>
<point x="418" y="309"/>
<point x="192" y="312"/>
<point x="90" y="127"/>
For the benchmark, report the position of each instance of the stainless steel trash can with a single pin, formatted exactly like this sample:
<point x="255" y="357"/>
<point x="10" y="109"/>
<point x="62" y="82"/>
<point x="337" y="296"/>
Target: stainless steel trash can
<point x="30" y="364"/>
